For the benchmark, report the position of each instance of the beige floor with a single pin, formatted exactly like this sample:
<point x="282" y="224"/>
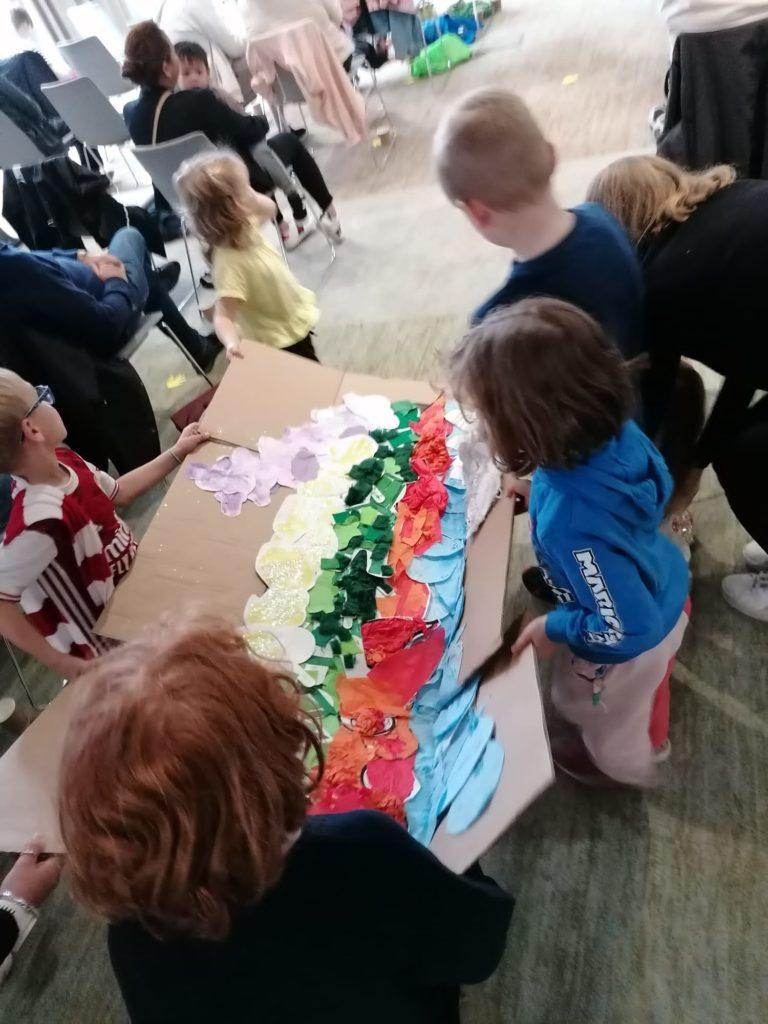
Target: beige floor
<point x="632" y="908"/>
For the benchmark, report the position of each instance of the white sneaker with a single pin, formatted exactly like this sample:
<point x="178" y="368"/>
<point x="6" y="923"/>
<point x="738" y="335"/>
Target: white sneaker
<point x="331" y="225"/>
<point x="755" y="556"/>
<point x="748" y="593"/>
<point x="304" y="228"/>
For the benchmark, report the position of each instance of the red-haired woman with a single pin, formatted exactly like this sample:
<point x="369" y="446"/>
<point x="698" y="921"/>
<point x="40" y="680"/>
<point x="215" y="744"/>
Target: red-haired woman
<point x="183" y="809"/>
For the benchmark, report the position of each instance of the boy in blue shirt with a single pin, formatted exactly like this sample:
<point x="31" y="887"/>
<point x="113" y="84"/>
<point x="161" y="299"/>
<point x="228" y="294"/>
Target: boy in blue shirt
<point x="554" y="397"/>
<point x="494" y="164"/>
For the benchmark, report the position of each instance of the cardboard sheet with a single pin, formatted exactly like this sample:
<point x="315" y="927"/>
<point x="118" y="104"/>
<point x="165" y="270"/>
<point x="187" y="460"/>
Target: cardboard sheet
<point x="269" y="390"/>
<point x="512" y="698"/>
<point x="192" y="556"/>
<point x="29" y="778"/>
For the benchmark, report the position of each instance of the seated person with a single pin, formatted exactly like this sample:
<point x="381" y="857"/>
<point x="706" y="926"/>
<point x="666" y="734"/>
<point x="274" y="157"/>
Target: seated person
<point x="160" y="114"/>
<point x="95" y="301"/>
<point x="64" y="549"/>
<point x="185" y="821"/>
<point x="262" y="16"/>
<point x="194" y="73"/>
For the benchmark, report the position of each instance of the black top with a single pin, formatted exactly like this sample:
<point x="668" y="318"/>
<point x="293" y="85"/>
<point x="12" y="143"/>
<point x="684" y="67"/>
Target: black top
<point x="198" y="110"/>
<point x="595" y="268"/>
<point x="707" y="299"/>
<point x="364" y="925"/>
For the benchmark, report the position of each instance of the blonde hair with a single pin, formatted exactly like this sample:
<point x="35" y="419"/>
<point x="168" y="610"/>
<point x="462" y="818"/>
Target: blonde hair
<point x="647" y="192"/>
<point x="214" y="187"/>
<point x="13" y="408"/>
<point x="489" y="147"/>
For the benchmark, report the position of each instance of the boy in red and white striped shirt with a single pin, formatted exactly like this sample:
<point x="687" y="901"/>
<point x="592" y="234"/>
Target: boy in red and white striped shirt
<point x="65" y="548"/>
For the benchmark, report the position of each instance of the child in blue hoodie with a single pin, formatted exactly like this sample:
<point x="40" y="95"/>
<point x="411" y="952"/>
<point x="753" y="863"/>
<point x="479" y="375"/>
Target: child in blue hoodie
<point x="554" y="398"/>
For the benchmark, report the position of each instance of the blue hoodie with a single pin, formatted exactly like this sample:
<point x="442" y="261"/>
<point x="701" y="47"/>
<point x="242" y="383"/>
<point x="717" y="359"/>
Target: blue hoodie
<point x="621" y="583"/>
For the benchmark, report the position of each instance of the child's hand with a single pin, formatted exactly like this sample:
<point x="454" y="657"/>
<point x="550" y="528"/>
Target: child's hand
<point x="518" y="488"/>
<point x="33" y="877"/>
<point x="535" y="633"/>
<point x="234" y="352"/>
<point x="191" y="438"/>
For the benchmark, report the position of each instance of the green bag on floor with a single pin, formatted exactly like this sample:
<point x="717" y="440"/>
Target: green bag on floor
<point x="443" y="54"/>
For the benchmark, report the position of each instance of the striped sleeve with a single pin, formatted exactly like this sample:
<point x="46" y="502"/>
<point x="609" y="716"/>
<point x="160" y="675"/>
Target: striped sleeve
<point x="23" y="559"/>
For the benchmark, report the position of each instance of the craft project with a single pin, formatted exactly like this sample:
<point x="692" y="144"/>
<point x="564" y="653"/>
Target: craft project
<point x="364" y="600"/>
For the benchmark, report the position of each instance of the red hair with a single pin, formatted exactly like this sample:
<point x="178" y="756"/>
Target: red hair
<point x="183" y="779"/>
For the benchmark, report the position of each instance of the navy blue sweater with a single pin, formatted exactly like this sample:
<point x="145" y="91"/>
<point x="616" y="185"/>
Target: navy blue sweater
<point x="54" y="292"/>
<point x="595" y="268"/>
<point x="365" y="925"/>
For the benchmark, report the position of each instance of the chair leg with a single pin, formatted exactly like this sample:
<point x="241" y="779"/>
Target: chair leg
<point x="190" y="359"/>
<point x="127" y="163"/>
<point x="280" y="242"/>
<point x="20" y="676"/>
<point x="193" y="293"/>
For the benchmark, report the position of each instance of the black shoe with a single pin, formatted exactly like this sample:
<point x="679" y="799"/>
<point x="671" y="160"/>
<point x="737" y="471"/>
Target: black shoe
<point x="168" y="275"/>
<point x="299" y="132"/>
<point x="206" y="351"/>
<point x="536" y="584"/>
<point x="206" y="280"/>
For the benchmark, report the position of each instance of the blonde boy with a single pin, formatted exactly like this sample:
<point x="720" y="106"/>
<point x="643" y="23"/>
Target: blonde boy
<point x="64" y="548"/>
<point x="496" y="166"/>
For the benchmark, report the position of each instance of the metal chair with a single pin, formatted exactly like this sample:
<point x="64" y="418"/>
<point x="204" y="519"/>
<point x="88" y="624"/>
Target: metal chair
<point x="16" y="148"/>
<point x="161" y="162"/>
<point x="146" y="324"/>
<point x="90" y="115"/>
<point x="91" y="59"/>
<point x="287" y="90"/>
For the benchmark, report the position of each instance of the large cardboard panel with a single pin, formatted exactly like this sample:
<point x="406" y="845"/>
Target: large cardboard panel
<point x="29" y="778"/>
<point x="512" y="698"/>
<point x="192" y="556"/>
<point x="269" y="390"/>
<point x="265" y="392"/>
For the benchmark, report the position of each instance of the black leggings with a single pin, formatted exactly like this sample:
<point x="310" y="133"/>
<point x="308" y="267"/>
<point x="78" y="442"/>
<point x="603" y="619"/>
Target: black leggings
<point x="295" y="155"/>
<point x="304" y="348"/>
<point x="740" y="466"/>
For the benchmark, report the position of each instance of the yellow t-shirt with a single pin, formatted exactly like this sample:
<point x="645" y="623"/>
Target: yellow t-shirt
<point x="275" y="309"/>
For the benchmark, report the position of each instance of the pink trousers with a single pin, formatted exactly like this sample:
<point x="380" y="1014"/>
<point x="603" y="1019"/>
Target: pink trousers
<point x="614" y="706"/>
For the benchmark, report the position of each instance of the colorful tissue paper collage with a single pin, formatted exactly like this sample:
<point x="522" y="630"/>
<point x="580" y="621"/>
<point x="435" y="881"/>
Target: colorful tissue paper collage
<point x="365" y="592"/>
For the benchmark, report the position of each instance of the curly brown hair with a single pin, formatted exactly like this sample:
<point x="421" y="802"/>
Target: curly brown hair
<point x="183" y="779"/>
<point x="147" y="48"/>
<point x="545" y="381"/>
<point x="215" y="188"/>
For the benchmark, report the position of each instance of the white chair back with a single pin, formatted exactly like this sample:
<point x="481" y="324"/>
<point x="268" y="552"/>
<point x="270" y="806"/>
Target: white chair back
<point x="16" y="149"/>
<point x="84" y="107"/>
<point x="162" y="161"/>
<point x="91" y="59"/>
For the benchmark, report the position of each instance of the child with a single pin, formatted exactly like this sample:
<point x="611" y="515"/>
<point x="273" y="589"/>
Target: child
<point x="259" y="299"/>
<point x="494" y="164"/>
<point x="64" y="548"/>
<point x="553" y="396"/>
<point x="194" y="73"/>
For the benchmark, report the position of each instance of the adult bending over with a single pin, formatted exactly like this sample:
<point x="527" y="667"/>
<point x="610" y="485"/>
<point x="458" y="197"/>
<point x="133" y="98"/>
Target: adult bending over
<point x="150" y="62"/>
<point x="183" y="805"/>
<point x="702" y="239"/>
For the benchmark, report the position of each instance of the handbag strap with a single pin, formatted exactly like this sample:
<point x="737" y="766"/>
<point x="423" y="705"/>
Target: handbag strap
<point x="158" y="110"/>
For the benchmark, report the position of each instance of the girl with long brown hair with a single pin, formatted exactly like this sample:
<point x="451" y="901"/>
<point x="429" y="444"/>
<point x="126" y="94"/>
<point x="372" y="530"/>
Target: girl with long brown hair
<point x="553" y="397"/>
<point x="702" y="239"/>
